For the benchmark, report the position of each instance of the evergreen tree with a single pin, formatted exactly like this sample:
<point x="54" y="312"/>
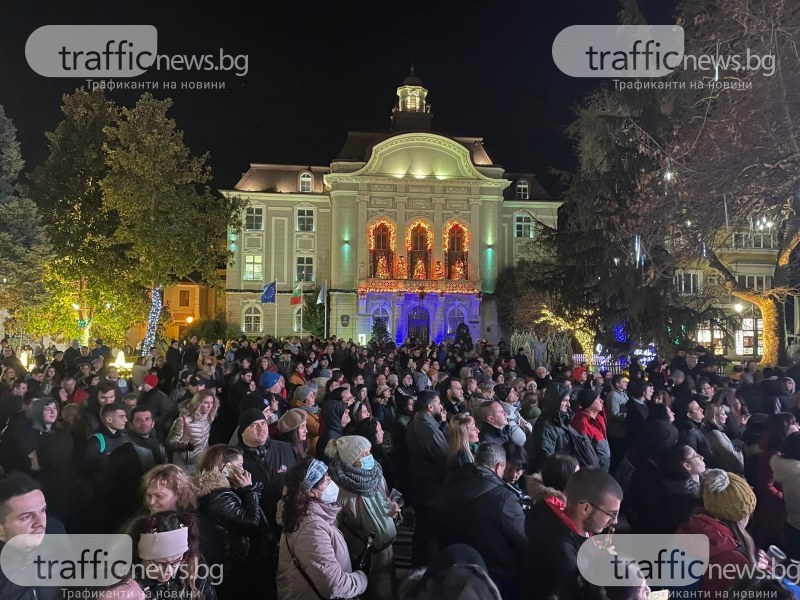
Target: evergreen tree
<point x="24" y="250"/>
<point x="313" y="314"/>
<point x="380" y="333"/>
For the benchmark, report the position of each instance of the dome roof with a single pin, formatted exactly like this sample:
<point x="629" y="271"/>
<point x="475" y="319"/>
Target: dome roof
<point x="412" y="79"/>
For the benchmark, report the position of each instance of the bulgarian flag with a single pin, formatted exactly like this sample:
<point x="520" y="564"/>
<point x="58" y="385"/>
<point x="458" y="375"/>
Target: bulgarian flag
<point x="297" y="295"/>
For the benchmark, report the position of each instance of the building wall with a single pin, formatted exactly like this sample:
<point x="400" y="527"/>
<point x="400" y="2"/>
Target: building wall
<point x="408" y="179"/>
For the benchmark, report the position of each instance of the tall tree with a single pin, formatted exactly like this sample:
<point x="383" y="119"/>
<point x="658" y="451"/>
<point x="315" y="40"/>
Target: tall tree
<point x="24" y="249"/>
<point x="731" y="164"/>
<point x="170" y="222"/>
<point x="87" y="291"/>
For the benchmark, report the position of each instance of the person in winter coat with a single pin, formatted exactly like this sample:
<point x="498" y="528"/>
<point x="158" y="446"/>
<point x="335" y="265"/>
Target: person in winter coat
<point x="555" y="534"/>
<point x="188" y="437"/>
<point x="728" y="503"/>
<point x="334" y="417"/>
<point x="550" y="485"/>
<point x="645" y="498"/>
<point x="590" y="420"/>
<point x="292" y="429"/>
<point x="305" y="398"/>
<point x="726" y="456"/>
<point x="477" y="494"/>
<point x="229" y="499"/>
<point x="688" y="419"/>
<point x="462" y="441"/>
<point x="551" y="433"/>
<point x="366" y="509"/>
<point x="314" y="561"/>
<point x="770" y="515"/>
<point x="682" y="467"/>
<point x="427" y="451"/>
<point x="786" y="468"/>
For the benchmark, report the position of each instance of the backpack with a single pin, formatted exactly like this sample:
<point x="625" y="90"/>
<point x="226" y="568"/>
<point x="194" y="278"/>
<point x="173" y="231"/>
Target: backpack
<point x="102" y="439"/>
<point x="582" y="449"/>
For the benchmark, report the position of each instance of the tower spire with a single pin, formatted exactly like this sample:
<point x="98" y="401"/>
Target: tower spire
<point x="411" y="111"/>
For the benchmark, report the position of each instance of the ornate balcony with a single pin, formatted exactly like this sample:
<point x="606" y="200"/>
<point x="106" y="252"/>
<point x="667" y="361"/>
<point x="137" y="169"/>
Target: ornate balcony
<point x="416" y="286"/>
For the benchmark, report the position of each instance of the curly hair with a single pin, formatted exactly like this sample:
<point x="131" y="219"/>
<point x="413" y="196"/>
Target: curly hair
<point x="170" y="521"/>
<point x="296" y="498"/>
<point x="176" y="479"/>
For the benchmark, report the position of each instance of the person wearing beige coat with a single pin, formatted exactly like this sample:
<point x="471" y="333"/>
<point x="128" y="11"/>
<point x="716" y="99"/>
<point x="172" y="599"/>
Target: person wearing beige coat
<point x="314" y="561"/>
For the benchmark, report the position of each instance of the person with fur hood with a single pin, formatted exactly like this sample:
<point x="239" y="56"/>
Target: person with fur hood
<point x="550" y="484"/>
<point x="229" y="500"/>
<point x="366" y="510"/>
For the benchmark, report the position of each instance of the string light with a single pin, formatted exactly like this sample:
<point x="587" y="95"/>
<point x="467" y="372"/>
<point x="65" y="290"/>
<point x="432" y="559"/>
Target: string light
<point x="428" y="233"/>
<point x="156" y="303"/>
<point x="372" y="230"/>
<point x="448" y="226"/>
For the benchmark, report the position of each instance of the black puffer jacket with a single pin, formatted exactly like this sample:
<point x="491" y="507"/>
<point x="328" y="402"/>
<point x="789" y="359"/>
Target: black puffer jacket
<point x="234" y="515"/>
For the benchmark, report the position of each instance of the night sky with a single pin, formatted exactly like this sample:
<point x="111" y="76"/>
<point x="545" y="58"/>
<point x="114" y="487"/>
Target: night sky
<point x="318" y="70"/>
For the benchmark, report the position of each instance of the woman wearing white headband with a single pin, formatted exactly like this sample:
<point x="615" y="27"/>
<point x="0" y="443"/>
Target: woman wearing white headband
<point x="314" y="562"/>
<point x="167" y="563"/>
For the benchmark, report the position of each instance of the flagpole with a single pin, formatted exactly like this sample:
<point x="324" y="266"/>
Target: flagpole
<point x="325" y="309"/>
<point x="301" y="312"/>
<point x="275" y="333"/>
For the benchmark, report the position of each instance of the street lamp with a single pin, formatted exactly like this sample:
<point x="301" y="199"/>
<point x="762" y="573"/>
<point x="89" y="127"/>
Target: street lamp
<point x="738" y="307"/>
<point x="190" y="320"/>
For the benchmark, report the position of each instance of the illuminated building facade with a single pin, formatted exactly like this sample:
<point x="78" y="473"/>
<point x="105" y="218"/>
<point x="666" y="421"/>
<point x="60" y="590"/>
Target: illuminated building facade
<point x="405" y="225"/>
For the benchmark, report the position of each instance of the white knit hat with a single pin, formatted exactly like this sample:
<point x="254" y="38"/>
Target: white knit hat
<point x="348" y="448"/>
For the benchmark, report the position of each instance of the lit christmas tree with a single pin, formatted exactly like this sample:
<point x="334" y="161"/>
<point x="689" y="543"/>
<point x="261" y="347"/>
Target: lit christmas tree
<point x="457" y="272"/>
<point x="419" y="270"/>
<point x="402" y="272"/>
<point x="382" y="270"/>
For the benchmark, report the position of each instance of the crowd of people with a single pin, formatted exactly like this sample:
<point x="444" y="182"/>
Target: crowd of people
<point x="285" y="469"/>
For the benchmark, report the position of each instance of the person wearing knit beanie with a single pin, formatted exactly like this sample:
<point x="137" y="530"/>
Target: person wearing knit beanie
<point x="269" y="380"/>
<point x="248" y="417"/>
<point x="727" y="496"/>
<point x="348" y="448"/>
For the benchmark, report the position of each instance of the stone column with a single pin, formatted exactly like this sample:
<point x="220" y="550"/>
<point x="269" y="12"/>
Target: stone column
<point x="438" y="241"/>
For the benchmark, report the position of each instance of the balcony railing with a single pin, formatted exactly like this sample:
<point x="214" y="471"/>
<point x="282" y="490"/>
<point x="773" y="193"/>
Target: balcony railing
<point x="416" y="286"/>
<point x="753" y="240"/>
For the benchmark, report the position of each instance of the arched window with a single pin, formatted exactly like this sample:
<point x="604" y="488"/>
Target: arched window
<point x="305" y="182"/>
<point x="419" y="239"/>
<point x="380" y="314"/>
<point x="382" y="237"/>
<point x="456" y="241"/>
<point x="251" y="320"/>
<point x="523" y="190"/>
<point x="297" y="322"/>
<point x="455" y="317"/>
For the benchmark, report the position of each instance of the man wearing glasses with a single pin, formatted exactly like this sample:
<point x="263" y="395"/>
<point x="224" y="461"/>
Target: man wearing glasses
<point x="555" y="535"/>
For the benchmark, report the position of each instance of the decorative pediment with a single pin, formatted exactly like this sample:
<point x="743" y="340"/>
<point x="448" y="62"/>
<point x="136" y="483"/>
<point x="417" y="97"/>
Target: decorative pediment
<point x="421" y="156"/>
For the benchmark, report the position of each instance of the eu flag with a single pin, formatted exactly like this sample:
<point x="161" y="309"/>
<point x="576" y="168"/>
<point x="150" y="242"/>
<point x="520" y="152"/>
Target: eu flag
<point x="269" y="293"/>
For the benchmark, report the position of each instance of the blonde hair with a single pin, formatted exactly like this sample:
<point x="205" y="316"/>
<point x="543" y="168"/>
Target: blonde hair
<point x="712" y="414"/>
<point x="176" y="479"/>
<point x="193" y="407"/>
<point x="458" y="436"/>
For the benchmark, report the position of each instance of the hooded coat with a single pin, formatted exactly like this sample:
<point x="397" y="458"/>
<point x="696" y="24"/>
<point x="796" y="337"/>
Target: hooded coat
<point x="474" y="494"/>
<point x="551" y="433"/>
<point x="332" y="429"/>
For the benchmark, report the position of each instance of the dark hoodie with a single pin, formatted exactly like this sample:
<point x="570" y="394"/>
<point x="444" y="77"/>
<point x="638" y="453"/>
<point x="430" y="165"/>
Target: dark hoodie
<point x="474" y="494"/>
<point x="332" y="428"/>
<point x="551" y="432"/>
